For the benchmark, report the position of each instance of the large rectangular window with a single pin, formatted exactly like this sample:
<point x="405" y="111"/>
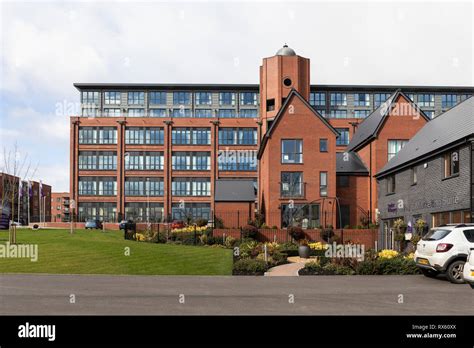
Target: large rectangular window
<point x="361" y="99"/>
<point x="191" y="160"/>
<point x="97" y="211"/>
<point x="248" y="98"/>
<point x="144" y="186"/>
<point x="343" y="138"/>
<point x="112" y="98"/>
<point x="292" y="151"/>
<point x="425" y="100"/>
<point x="237" y="136"/>
<point x="226" y="98"/>
<point x="136" y="112"/>
<point x="317" y="99"/>
<point x="136" y="98"/>
<point x="292" y="184"/>
<point x="338" y="114"/>
<point x="181" y="98"/>
<point x="97" y="160"/>
<point x="144" y="136"/>
<point x="323" y="184"/>
<point x="203" y="113"/>
<point x="181" y="112"/>
<point x="338" y="99"/>
<point x="361" y="113"/>
<point x="248" y="113"/>
<point x="394" y="146"/>
<point x="147" y="160"/>
<point x="451" y="164"/>
<point x="237" y="160"/>
<point x="226" y="113"/>
<point x="191" y="187"/>
<point x="97" y="135"/>
<point x="190" y="212"/>
<point x="301" y="215"/>
<point x="97" y="186"/>
<point x="144" y="211"/>
<point x="112" y="112"/>
<point x="158" y="113"/>
<point x="90" y="97"/>
<point x="157" y="98"/>
<point x="203" y="98"/>
<point x="379" y="98"/>
<point x="448" y="100"/>
<point x="191" y="136"/>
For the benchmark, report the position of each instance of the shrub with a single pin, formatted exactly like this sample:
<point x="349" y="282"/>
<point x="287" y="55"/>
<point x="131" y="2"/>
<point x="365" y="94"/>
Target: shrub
<point x="211" y="240"/>
<point x="230" y="242"/>
<point x="249" y="267"/>
<point x="279" y="258"/>
<point x="296" y="233"/>
<point x="249" y="231"/>
<point x="383" y="266"/>
<point x="315" y="268"/>
<point x="291" y="249"/>
<point x="387" y="254"/>
<point x="250" y="249"/>
<point x="201" y="222"/>
<point x="326" y="234"/>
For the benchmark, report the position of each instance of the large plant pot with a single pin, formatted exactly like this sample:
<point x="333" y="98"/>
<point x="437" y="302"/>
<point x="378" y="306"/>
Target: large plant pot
<point x="303" y="251"/>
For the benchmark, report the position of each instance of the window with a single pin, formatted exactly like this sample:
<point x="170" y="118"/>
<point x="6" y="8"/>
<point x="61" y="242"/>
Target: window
<point x="226" y="113"/>
<point x="182" y="160"/>
<point x="191" y="187"/>
<point x="391" y="184"/>
<point x="237" y="136"/>
<point x="238" y="160"/>
<point x="158" y="113"/>
<point x="137" y="211"/>
<point x="181" y="112"/>
<point x="338" y="99"/>
<point x="144" y="136"/>
<point x="89" y="112"/>
<point x="270" y="104"/>
<point x="97" y="135"/>
<point x="451" y="164"/>
<point x="292" y="184"/>
<point x="136" y="112"/>
<point x="109" y="112"/>
<point x="361" y="99"/>
<point x="323" y="184"/>
<point x="469" y="234"/>
<point x="97" y="160"/>
<point x="303" y="215"/>
<point x="361" y="113"/>
<point x="323" y="145"/>
<point x="411" y="96"/>
<point x="248" y="113"/>
<point x="97" y="211"/>
<point x="425" y="100"/>
<point x="379" y="98"/>
<point x="157" y="98"/>
<point x="342" y="181"/>
<point x="429" y="113"/>
<point x="343" y="138"/>
<point x="136" y="98"/>
<point x="144" y="186"/>
<point x="90" y="97"/>
<point x="203" y="98"/>
<point x="190" y="211"/>
<point x="338" y="114"/>
<point x="322" y="112"/>
<point x="191" y="136"/>
<point x="292" y="151"/>
<point x="394" y="146"/>
<point x="248" y="98"/>
<point x="414" y="175"/>
<point x="317" y="99"/>
<point x="181" y="98"/>
<point x="203" y="113"/>
<point x="112" y="98"/>
<point x="226" y="98"/>
<point x="448" y="100"/>
<point x="97" y="186"/>
<point x="144" y="160"/>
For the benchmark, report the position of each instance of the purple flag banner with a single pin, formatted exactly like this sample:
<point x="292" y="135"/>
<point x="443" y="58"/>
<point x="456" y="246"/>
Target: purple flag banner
<point x="20" y="189"/>
<point x="30" y="189"/>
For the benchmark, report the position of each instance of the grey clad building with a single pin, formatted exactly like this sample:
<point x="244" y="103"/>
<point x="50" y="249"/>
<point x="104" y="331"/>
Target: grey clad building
<point x="432" y="176"/>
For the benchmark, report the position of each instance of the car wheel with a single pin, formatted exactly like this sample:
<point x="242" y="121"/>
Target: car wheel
<point x="454" y="272"/>
<point x="429" y="273"/>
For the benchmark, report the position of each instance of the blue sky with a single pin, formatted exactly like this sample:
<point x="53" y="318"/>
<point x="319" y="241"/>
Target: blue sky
<point x="47" y="46"/>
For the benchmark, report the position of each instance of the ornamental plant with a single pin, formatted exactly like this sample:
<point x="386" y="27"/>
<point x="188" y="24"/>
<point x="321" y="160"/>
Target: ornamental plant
<point x="318" y="246"/>
<point x="296" y="233"/>
<point x="387" y="254"/>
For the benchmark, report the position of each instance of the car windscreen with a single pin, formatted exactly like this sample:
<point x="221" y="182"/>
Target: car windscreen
<point x="436" y="234"/>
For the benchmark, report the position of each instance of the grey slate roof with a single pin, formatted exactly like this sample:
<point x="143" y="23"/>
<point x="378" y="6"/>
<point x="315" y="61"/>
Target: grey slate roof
<point x="448" y="128"/>
<point x="234" y="190"/>
<point x="369" y="127"/>
<point x="352" y="164"/>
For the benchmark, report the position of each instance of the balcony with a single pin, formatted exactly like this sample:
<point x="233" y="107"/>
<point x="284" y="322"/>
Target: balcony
<point x="293" y="190"/>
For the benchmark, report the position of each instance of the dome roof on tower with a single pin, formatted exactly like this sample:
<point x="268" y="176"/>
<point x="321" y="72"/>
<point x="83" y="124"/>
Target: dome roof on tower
<point x="286" y="51"/>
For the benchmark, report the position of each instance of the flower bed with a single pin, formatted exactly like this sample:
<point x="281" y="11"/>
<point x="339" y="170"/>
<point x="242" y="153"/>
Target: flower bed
<point x="251" y="257"/>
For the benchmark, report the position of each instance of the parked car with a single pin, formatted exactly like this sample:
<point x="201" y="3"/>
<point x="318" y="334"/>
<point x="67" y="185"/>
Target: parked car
<point x="128" y="224"/>
<point x="468" y="274"/>
<point x="444" y="250"/>
<point x="93" y="224"/>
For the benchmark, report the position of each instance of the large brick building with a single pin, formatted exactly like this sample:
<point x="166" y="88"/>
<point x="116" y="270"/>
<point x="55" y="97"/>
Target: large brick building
<point x="60" y="207"/>
<point x="169" y="151"/>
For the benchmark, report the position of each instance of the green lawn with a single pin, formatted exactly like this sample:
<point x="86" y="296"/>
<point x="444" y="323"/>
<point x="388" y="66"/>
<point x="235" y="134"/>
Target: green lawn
<point x="97" y="252"/>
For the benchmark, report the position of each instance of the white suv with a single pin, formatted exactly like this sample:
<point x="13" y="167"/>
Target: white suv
<point x="444" y="250"/>
<point x="469" y="269"/>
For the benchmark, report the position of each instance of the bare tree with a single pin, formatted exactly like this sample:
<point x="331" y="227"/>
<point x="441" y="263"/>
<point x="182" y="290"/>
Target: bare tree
<point x="15" y="168"/>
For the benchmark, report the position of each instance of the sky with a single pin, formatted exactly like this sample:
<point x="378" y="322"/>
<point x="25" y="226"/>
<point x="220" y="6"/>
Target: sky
<point x="48" y="46"/>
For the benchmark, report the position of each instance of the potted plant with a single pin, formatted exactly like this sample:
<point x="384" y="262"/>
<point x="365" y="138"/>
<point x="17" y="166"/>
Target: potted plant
<point x="304" y="249"/>
<point x="298" y="235"/>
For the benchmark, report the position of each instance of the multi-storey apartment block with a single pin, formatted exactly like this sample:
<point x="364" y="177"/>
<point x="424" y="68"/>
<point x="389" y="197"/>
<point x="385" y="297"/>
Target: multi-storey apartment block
<point x="60" y="207"/>
<point x="168" y="151"/>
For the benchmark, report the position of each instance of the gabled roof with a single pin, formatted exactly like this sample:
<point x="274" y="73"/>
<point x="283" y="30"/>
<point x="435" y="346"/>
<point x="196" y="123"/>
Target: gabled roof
<point x="350" y="163"/>
<point x="234" y="190"/>
<point x="370" y="126"/>
<point x="277" y="118"/>
<point x="445" y="130"/>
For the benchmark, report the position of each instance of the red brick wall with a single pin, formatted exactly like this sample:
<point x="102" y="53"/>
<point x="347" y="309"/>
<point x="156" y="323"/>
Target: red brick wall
<point x="235" y="214"/>
<point x="356" y="195"/>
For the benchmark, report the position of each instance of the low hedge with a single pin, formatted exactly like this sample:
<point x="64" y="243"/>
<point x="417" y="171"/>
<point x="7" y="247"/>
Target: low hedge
<point x="249" y="267"/>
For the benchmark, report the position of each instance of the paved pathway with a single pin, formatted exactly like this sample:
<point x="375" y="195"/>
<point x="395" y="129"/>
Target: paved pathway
<point x="287" y="270"/>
